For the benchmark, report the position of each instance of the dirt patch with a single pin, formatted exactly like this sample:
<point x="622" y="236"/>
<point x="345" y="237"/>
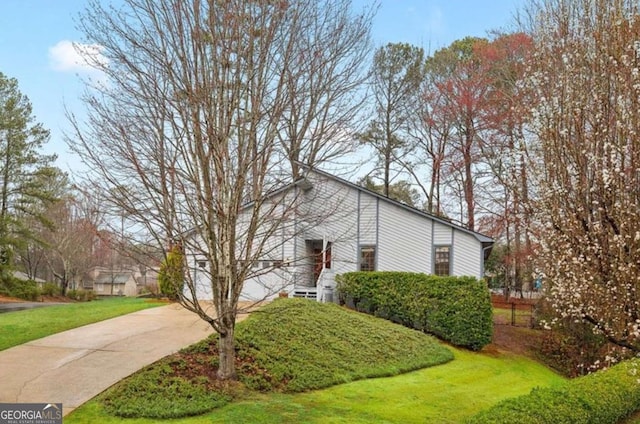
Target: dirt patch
<point x="7" y="299"/>
<point x="57" y="299"/>
<point x="518" y="340"/>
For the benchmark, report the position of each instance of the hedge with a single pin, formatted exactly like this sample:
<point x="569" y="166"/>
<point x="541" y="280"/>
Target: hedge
<point x="455" y="309"/>
<point x="603" y="397"/>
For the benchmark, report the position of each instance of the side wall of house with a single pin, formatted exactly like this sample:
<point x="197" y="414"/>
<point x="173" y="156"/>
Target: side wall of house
<point x="404" y="240"/>
<point x="349" y="218"/>
<point x="467" y="255"/>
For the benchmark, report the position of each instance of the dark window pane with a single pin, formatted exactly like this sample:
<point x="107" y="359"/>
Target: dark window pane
<point x="368" y="258"/>
<point x="442" y="260"/>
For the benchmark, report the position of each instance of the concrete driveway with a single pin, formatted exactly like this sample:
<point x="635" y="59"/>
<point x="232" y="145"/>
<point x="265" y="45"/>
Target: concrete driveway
<point x="76" y="365"/>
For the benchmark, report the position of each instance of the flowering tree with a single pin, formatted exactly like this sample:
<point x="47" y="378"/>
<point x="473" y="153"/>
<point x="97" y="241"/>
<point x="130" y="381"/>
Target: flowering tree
<point x="585" y="77"/>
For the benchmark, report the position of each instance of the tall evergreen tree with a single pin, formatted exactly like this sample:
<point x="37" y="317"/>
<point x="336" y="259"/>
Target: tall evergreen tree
<point x="397" y="71"/>
<point x="24" y="171"/>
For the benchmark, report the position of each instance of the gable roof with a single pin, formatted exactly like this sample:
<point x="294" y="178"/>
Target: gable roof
<point x="302" y="181"/>
<point x="485" y="240"/>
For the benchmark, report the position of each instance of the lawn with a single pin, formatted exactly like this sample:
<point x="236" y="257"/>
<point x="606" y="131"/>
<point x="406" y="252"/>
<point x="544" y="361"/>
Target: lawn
<point x="22" y="326"/>
<point x="446" y="393"/>
<point x="346" y="347"/>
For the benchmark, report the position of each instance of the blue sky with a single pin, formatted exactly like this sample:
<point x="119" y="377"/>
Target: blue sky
<point x="36" y="37"/>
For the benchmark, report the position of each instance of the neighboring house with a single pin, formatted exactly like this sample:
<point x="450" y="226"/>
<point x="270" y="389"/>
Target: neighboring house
<point x="24" y="277"/>
<point x="335" y="226"/>
<point x="105" y="281"/>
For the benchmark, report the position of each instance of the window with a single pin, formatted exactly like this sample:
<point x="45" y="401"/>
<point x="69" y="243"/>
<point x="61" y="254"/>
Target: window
<point x="367" y="258"/>
<point x="442" y="260"/>
<point x="202" y="264"/>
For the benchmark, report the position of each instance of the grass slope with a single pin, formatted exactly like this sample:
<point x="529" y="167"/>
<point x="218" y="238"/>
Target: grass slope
<point x="448" y="393"/>
<point x="290" y="345"/>
<point x="308" y="345"/>
<point x="23" y="326"/>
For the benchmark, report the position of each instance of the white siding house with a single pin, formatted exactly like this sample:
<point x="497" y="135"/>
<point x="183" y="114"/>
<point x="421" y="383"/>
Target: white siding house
<point x="340" y="227"/>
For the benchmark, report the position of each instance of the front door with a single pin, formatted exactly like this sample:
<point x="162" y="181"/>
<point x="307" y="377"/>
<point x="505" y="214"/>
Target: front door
<point x="316" y="257"/>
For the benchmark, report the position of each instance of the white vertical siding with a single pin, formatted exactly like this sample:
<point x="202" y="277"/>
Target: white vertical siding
<point x="441" y="234"/>
<point x="267" y="286"/>
<point x="466" y="255"/>
<point x="332" y="214"/>
<point x="368" y="221"/>
<point x="404" y="242"/>
<point x="348" y="218"/>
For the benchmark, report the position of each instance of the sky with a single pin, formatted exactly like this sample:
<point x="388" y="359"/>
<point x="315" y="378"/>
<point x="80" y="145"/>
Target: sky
<point x="37" y="36"/>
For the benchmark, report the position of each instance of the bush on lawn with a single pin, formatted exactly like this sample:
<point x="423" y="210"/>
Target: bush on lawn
<point x="51" y="289"/>
<point x="14" y="287"/>
<point x="456" y="309"/>
<point x="81" y="295"/>
<point x="171" y="275"/>
<point x="603" y="397"/>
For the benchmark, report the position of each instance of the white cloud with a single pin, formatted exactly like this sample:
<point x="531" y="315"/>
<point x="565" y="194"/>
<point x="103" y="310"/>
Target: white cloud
<point x="70" y="56"/>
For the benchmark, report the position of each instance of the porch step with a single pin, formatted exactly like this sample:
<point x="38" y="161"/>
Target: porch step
<point x="310" y="293"/>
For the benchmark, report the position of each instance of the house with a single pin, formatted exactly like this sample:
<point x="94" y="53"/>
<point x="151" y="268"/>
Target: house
<point x="120" y="281"/>
<point x="328" y="226"/>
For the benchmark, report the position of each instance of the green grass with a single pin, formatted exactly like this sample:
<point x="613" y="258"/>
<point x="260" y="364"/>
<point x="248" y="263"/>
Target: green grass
<point x="23" y="326"/>
<point x="290" y="345"/>
<point x="448" y="393"/>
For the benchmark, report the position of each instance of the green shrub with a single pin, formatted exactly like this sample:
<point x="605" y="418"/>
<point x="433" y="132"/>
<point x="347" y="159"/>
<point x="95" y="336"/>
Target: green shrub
<point x="171" y="275"/>
<point x="456" y="309"/>
<point x="603" y="397"/>
<point x="51" y="289"/>
<point x="14" y="287"/>
<point x="81" y="295"/>
<point x="157" y="393"/>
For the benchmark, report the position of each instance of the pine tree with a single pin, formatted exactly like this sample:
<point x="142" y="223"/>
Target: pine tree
<point x="24" y="171"/>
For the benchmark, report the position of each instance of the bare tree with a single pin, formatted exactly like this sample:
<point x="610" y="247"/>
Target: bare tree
<point x="324" y="84"/>
<point x="69" y="242"/>
<point x="585" y="75"/>
<point x="185" y="137"/>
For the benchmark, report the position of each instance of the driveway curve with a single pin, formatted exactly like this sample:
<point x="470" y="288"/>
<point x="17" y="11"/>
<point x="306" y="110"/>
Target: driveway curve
<point x="74" y="366"/>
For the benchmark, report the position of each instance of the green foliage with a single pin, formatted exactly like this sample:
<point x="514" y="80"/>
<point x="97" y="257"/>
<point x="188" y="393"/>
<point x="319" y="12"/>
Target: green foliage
<point x="26" y="173"/>
<point x="156" y="393"/>
<point x="81" y="295"/>
<point x="290" y="345"/>
<point x="14" y="287"/>
<point x="456" y="309"/>
<point x="51" y="289"/>
<point x="171" y="276"/>
<point x="599" y="398"/>
<point x="307" y="345"/>
<point x="402" y="191"/>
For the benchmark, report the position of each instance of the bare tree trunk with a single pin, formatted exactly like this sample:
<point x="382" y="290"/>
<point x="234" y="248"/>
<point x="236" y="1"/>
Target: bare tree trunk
<point x="468" y="178"/>
<point x="226" y="347"/>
